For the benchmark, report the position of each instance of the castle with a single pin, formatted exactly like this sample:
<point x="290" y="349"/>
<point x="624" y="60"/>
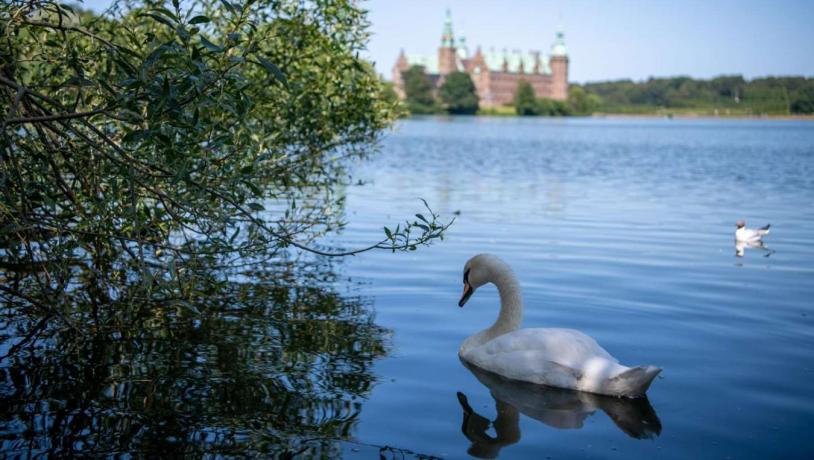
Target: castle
<point x="495" y="75"/>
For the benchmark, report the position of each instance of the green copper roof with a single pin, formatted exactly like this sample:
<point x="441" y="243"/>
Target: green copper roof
<point x="430" y="63"/>
<point x="559" y="49"/>
<point x="447" y="38"/>
<point x="462" y="49"/>
<point x="494" y="60"/>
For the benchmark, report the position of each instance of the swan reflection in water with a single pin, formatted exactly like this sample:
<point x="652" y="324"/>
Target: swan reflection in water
<point x="742" y="246"/>
<point x="562" y="409"/>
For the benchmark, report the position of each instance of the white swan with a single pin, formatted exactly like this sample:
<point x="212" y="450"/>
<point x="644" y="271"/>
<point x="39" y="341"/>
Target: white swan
<point x="750" y="235"/>
<point x="562" y="358"/>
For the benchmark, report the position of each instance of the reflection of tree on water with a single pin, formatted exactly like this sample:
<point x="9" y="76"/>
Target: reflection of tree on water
<point x="277" y="365"/>
<point x="562" y="409"/>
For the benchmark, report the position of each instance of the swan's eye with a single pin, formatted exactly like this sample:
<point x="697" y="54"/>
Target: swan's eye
<point x="466" y="276"/>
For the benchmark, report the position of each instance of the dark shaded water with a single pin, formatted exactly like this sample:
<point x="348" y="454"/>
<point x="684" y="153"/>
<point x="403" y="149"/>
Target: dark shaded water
<point x="620" y="228"/>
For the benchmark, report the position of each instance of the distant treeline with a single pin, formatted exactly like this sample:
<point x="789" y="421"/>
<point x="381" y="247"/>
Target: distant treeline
<point x="730" y="94"/>
<point x="727" y="95"/>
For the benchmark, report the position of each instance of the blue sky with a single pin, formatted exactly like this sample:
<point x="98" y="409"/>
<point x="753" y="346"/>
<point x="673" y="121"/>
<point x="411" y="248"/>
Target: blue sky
<point x="610" y="39"/>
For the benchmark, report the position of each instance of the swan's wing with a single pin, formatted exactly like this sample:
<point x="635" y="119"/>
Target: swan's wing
<point x="566" y="347"/>
<point x="558" y="357"/>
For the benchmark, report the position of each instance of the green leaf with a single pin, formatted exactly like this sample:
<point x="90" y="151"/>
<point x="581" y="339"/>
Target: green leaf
<point x="166" y="13"/>
<point x="210" y="46"/>
<point x="255" y="189"/>
<point x="182" y="32"/>
<point x="188" y="306"/>
<point x="228" y="6"/>
<point x="199" y="20"/>
<point x="256" y="207"/>
<point x="422" y="218"/>
<point x="159" y="18"/>
<point x="388" y="233"/>
<point x="157" y="53"/>
<point x="272" y="69"/>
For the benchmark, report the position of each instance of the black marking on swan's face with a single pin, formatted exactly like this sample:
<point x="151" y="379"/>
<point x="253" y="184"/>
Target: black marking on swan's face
<point x="468" y="289"/>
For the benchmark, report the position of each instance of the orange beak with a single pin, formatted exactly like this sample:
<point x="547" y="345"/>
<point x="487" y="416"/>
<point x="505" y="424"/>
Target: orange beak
<point x="467" y="293"/>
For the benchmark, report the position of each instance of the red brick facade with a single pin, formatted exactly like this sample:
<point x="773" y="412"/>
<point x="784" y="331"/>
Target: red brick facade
<point x="495" y="80"/>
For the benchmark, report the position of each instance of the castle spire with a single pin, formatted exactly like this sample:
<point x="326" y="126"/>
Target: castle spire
<point x="558" y="48"/>
<point x="448" y="38"/>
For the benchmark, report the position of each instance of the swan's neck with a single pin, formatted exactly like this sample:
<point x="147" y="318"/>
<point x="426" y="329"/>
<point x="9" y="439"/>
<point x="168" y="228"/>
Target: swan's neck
<point x="510" y="317"/>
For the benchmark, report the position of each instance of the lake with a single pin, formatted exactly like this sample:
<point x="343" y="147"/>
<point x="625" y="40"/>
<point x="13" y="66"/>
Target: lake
<point x="621" y="228"/>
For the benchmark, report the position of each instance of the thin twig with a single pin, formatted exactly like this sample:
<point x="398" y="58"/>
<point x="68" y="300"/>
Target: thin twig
<point x="55" y="117"/>
<point x="70" y="28"/>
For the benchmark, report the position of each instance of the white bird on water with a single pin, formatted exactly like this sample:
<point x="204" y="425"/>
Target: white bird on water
<point x="750" y="235"/>
<point x="563" y="358"/>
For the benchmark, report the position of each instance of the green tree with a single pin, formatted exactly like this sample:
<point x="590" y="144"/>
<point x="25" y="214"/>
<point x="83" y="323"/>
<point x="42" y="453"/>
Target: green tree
<point x="581" y="102"/>
<point x="803" y="99"/>
<point x="164" y="138"/>
<point x="525" y="102"/>
<point x="552" y="108"/>
<point x="458" y="94"/>
<point x="419" y="91"/>
<point x="389" y="94"/>
<point x="728" y="86"/>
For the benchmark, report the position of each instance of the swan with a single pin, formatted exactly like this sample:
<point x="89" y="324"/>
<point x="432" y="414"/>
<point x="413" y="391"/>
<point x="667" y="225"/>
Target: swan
<point x="750" y="235"/>
<point x="563" y="358"/>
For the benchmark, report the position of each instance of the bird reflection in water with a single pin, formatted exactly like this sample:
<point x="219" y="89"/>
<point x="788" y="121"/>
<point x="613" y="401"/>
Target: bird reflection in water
<point x="742" y="246"/>
<point x="561" y="409"/>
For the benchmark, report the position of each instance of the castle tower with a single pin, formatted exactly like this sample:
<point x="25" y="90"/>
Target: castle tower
<point x="479" y="72"/>
<point x="537" y="69"/>
<point x="446" y="53"/>
<point x="559" y="69"/>
<point x="398" y="81"/>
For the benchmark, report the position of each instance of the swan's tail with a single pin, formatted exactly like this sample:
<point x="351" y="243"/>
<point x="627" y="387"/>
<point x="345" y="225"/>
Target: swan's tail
<point x="633" y="382"/>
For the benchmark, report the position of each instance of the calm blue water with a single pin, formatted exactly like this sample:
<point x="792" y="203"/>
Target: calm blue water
<point x="622" y="229"/>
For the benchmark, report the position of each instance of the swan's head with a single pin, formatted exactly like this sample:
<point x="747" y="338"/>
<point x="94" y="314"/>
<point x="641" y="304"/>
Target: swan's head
<point x="740" y="223"/>
<point x="478" y="271"/>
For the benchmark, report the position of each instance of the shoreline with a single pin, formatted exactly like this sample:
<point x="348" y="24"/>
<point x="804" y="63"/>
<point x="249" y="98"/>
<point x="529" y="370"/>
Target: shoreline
<point x="653" y="116"/>
<point x="703" y="116"/>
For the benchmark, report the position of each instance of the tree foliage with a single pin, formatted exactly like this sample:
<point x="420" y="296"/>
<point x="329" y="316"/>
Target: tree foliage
<point x="164" y="138"/>
<point x="525" y="102"/>
<point x="552" y="108"/>
<point x="581" y="102"/>
<point x="419" y="90"/>
<point x="458" y="94"/>
<point x="770" y="95"/>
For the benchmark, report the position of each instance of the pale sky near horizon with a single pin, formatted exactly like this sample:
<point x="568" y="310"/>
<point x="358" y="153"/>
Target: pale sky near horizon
<point x="610" y="39"/>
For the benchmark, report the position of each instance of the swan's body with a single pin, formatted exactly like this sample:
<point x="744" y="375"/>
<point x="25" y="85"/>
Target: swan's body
<point x="563" y="358"/>
<point x="750" y="235"/>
